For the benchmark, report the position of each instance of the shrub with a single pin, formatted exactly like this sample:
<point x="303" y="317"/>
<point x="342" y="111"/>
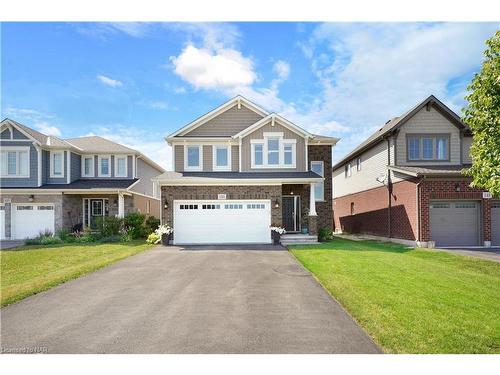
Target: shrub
<point x="153" y="238"/>
<point x="33" y="241"/>
<point x="114" y="238"/>
<point x="152" y="223"/>
<point x="49" y="240"/>
<point x="64" y="234"/>
<point x="109" y="226"/>
<point x="134" y="222"/>
<point x="84" y="236"/>
<point x="324" y="234"/>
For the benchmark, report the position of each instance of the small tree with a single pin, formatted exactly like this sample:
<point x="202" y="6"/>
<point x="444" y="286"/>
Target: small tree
<point x="483" y="117"/>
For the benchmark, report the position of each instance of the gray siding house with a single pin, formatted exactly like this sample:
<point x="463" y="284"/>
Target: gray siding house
<point x="240" y="169"/>
<point x="48" y="183"/>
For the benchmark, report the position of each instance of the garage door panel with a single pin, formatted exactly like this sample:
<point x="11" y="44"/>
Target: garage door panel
<point x="495" y="223"/>
<point x="205" y="222"/>
<point x="454" y="223"/>
<point x="28" y="220"/>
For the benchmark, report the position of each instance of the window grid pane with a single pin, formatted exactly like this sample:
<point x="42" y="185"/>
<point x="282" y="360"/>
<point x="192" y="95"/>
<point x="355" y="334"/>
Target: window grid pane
<point x="427" y="148"/>
<point x="88" y="166"/>
<point x="121" y="167"/>
<point x="193" y="157"/>
<point x="414" y="148"/>
<point x="105" y="166"/>
<point x="57" y="168"/>
<point x="12" y="163"/>
<point x="273" y="153"/>
<point x="258" y="154"/>
<point x="442" y="148"/>
<point x="221" y="156"/>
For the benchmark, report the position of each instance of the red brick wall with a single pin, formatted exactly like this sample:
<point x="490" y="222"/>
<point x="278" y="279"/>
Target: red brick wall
<point x="371" y="212"/>
<point x="446" y="189"/>
<point x="323" y="209"/>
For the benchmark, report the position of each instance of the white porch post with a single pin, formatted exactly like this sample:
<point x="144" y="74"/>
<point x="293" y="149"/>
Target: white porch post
<point x="312" y="201"/>
<point x="121" y="205"/>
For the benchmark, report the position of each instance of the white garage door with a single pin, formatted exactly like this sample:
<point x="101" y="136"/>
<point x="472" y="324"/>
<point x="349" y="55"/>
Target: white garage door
<point x="28" y="220"/>
<point x="455" y="223"/>
<point x="2" y="222"/>
<point x="495" y="223"/>
<point x="216" y="222"/>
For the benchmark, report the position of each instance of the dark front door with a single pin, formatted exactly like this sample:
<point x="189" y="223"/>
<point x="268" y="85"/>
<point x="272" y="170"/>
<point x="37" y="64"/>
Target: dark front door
<point x="291" y="213"/>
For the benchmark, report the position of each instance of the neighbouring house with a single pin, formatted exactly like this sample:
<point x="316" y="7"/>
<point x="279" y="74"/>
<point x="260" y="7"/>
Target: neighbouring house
<point x="238" y="169"/>
<point x="48" y="183"/>
<point x="405" y="182"/>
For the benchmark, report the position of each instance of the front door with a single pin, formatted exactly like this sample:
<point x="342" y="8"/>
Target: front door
<point x="291" y="213"/>
<point x="94" y="208"/>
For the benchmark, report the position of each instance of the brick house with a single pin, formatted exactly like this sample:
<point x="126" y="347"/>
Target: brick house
<point x="405" y="182"/>
<point x="238" y="169"/>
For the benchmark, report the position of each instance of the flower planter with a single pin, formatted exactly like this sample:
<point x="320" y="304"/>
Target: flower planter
<point x="276" y="237"/>
<point x="165" y="239"/>
<point x="304" y="230"/>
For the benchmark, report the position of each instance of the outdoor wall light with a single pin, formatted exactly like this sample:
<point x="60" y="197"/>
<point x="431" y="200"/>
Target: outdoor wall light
<point x="457" y="187"/>
<point x="31" y="198"/>
<point x="165" y="206"/>
<point x="276" y="204"/>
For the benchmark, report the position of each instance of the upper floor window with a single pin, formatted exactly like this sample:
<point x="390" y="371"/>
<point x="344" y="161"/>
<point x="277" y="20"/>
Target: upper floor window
<point x="88" y="166"/>
<point x="121" y="166"/>
<point x="348" y="170"/>
<point x="319" y="187"/>
<point x="56" y="164"/>
<point x="192" y="158"/>
<point x="273" y="151"/>
<point x="358" y="164"/>
<point x="222" y="158"/>
<point x="428" y="147"/>
<point x="14" y="161"/>
<point x="104" y="166"/>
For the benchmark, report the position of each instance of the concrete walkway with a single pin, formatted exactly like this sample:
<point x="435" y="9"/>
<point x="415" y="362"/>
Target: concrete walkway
<point x="193" y="300"/>
<point x="488" y="253"/>
<point x="10" y="244"/>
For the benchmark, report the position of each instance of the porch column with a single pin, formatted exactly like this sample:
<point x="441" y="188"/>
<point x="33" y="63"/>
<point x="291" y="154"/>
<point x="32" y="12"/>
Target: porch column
<point x="121" y="205"/>
<point x="312" y="201"/>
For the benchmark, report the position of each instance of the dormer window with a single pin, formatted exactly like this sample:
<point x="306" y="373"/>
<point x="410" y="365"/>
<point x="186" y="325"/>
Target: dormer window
<point x="273" y="151"/>
<point x="192" y="158"/>
<point x="221" y="158"/>
<point x="56" y="164"/>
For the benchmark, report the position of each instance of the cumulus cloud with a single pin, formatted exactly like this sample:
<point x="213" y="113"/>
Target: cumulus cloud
<point x="282" y="69"/>
<point x="109" y="81"/>
<point x="48" y="129"/>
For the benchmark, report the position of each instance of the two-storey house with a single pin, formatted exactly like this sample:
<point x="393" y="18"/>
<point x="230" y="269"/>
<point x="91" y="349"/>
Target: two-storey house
<point x="238" y="169"/>
<point x="405" y="182"/>
<point x="48" y="183"/>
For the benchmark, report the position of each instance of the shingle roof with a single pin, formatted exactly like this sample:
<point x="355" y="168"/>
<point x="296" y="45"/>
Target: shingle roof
<point x="45" y="140"/>
<point x="451" y="170"/>
<point x="110" y="184"/>
<point x="395" y="123"/>
<point x="239" y="175"/>
<point x="99" y="144"/>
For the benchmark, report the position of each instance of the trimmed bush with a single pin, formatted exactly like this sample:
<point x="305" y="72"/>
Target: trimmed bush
<point x="324" y="234"/>
<point x="109" y="226"/>
<point x="152" y="224"/>
<point x="50" y="241"/>
<point x="134" y="223"/>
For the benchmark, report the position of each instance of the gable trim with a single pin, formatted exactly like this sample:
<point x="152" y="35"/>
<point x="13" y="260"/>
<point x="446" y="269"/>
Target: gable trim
<point x="273" y="117"/>
<point x="238" y="100"/>
<point x="10" y="124"/>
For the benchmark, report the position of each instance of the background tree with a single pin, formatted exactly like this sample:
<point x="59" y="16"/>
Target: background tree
<point x="483" y="116"/>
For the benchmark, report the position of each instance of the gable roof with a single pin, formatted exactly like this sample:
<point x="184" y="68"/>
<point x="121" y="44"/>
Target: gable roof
<point x="96" y="144"/>
<point x="394" y="124"/>
<point x="237" y="100"/>
<point x="274" y="117"/>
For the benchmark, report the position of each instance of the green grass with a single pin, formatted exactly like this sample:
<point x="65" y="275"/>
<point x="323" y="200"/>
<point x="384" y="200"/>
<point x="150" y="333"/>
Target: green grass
<point x="412" y="300"/>
<point x="33" y="269"/>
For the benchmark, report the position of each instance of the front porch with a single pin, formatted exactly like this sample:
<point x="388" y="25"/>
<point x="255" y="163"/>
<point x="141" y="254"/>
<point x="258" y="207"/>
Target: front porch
<point x="298" y="208"/>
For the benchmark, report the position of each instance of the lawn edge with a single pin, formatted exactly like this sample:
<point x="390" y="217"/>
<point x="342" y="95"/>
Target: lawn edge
<point x="382" y="348"/>
<point x="72" y="277"/>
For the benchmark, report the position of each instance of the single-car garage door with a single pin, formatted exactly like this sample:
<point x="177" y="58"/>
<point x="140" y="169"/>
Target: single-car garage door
<point x="495" y="223"/>
<point x="454" y="223"/>
<point x="217" y="222"/>
<point x="28" y="220"/>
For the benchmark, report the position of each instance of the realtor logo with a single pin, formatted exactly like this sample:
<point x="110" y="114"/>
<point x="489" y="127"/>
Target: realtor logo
<point x="487" y="195"/>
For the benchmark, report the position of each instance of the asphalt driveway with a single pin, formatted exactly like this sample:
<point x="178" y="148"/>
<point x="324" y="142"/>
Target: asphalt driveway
<point x="196" y="300"/>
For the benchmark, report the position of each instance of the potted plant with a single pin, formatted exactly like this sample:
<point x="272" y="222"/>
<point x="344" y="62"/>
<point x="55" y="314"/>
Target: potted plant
<point x="276" y="233"/>
<point x="165" y="233"/>
<point x="305" y="222"/>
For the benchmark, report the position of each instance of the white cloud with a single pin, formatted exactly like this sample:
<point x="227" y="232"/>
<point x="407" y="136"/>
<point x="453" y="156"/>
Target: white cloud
<point x="109" y="81"/>
<point x="180" y="90"/>
<point x="22" y="114"/>
<point x="48" y="129"/>
<point x="149" y="143"/>
<point x="102" y="30"/>
<point x="213" y="70"/>
<point x="282" y="69"/>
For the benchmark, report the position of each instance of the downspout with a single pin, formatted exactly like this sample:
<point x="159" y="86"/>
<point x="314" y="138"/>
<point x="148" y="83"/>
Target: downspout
<point x="389" y="189"/>
<point x="419" y="224"/>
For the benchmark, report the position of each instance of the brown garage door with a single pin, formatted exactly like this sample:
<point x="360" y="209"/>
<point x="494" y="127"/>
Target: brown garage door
<point x="454" y="223"/>
<point x="495" y="223"/>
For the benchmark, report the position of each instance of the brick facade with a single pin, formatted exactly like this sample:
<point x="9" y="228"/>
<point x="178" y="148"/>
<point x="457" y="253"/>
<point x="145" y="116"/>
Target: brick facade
<point x="452" y="189"/>
<point x="371" y="214"/>
<point x="323" y="209"/>
<point x="171" y="193"/>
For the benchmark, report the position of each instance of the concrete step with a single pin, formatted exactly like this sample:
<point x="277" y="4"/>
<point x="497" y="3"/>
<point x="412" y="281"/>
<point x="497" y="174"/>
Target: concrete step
<point x="298" y="239"/>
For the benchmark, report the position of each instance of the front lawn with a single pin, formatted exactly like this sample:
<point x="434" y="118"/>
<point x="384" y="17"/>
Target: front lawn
<point x="411" y="300"/>
<point x="32" y="269"/>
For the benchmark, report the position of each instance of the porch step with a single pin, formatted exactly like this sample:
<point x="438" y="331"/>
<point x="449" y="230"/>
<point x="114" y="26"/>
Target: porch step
<point x="298" y="239"/>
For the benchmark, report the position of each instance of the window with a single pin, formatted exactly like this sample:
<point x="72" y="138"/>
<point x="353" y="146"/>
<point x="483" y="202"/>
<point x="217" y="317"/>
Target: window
<point x="348" y="170"/>
<point x="104" y="166"/>
<point x="222" y="158"/>
<point x="256" y="206"/>
<point x="14" y="162"/>
<point x="319" y="187"/>
<point x="258" y="154"/>
<point x="273" y="151"/>
<point x="121" y="166"/>
<point x="210" y="207"/>
<point x="428" y="147"/>
<point x="148" y="207"/>
<point x="192" y="158"/>
<point x="233" y="206"/>
<point x="352" y="208"/>
<point x="88" y="166"/>
<point x="188" y="207"/>
<point x="56" y="164"/>
<point x="358" y="164"/>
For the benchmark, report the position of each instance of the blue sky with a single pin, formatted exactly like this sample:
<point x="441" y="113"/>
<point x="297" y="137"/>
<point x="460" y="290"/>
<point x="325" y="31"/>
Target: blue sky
<point x="137" y="82"/>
